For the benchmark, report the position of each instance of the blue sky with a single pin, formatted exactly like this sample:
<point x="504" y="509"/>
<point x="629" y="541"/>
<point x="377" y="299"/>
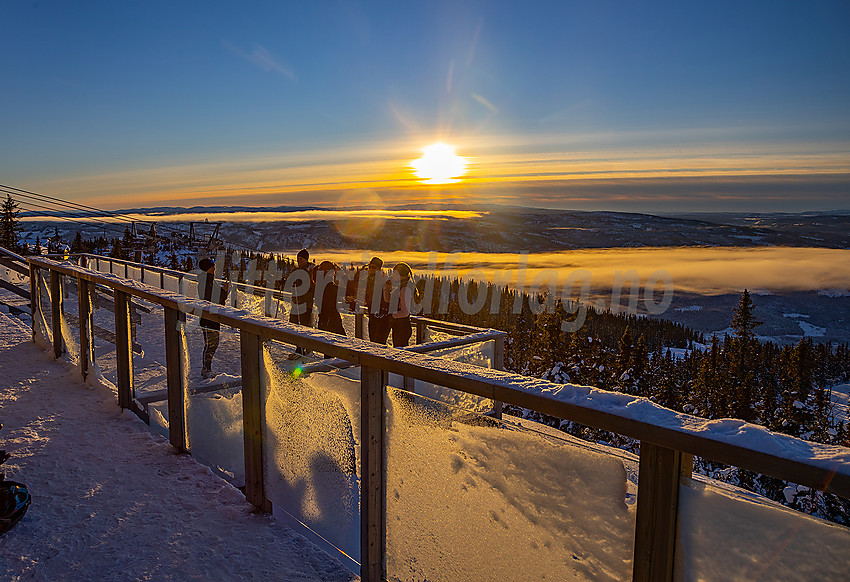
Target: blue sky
<point x="663" y="106"/>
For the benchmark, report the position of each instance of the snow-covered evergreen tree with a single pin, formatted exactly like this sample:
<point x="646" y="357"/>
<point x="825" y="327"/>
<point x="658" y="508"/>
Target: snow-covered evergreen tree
<point x="9" y="225"/>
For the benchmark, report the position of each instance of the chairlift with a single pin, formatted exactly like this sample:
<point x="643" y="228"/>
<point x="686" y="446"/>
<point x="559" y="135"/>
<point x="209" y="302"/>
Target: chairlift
<point x="204" y="237"/>
<point x="143" y="240"/>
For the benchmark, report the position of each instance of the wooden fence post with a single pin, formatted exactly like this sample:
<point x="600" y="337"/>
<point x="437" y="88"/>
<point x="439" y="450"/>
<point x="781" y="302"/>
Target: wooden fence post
<point x="373" y="488"/>
<point x="251" y="348"/>
<point x="35" y="299"/>
<point x="420" y="332"/>
<point x="174" y="377"/>
<point x="657" y="513"/>
<point x="498" y="364"/>
<point x="123" y="349"/>
<point x="86" y="325"/>
<point x="358" y="325"/>
<point x="56" y="312"/>
<point x="267" y="302"/>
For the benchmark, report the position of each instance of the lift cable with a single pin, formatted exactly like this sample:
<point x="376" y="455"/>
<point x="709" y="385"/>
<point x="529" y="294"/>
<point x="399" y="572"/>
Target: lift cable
<point x="103" y="213"/>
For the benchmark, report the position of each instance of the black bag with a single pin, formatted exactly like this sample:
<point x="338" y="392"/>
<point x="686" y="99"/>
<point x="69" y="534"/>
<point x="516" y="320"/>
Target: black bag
<point x="14" y="499"/>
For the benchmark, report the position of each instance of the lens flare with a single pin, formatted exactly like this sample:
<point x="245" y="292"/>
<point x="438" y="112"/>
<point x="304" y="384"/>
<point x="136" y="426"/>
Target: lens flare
<point x="356" y="226"/>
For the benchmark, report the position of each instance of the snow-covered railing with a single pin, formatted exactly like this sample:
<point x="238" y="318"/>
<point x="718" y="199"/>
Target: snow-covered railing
<point x="15" y="263"/>
<point x="129" y="268"/>
<point x="668" y="438"/>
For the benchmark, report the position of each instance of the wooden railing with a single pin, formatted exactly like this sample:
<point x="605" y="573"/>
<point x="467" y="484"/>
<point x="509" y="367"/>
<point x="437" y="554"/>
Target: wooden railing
<point x="668" y="441"/>
<point x="17" y="264"/>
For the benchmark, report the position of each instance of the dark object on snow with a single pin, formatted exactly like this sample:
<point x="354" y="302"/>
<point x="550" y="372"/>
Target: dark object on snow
<point x="14" y="499"/>
<point x="14" y="502"/>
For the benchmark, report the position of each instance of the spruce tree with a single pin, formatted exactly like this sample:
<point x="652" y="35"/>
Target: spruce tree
<point x="639" y="365"/>
<point x="624" y="358"/>
<point x="9" y="224"/>
<point x="77" y="244"/>
<point x="54" y="242"/>
<point x="743" y="320"/>
<point x="117" y="251"/>
<point x="743" y="347"/>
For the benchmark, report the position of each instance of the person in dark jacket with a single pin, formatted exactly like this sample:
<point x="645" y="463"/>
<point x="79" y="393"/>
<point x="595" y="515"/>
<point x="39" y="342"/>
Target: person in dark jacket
<point x="211" y="329"/>
<point x="327" y="291"/>
<point x="304" y="287"/>
<point x="400" y="317"/>
<point x="378" y="307"/>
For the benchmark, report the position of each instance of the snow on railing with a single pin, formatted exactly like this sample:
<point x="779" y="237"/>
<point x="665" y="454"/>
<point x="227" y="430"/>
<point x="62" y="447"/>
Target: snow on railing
<point x="668" y="439"/>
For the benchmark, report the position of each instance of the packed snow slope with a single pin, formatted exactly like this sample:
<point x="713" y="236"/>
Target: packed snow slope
<point x="111" y="501"/>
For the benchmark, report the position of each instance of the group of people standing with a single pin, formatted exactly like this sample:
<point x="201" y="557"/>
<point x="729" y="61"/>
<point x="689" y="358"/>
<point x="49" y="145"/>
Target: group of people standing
<point x="321" y="285"/>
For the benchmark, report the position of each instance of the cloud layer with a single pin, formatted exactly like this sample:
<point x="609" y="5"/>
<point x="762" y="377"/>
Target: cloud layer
<point x="691" y="269"/>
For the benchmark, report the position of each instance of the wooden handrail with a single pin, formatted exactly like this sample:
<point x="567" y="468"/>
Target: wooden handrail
<point x="668" y="439"/>
<point x="447" y="325"/>
<point x="823" y="467"/>
<point x="12" y="255"/>
<point x="276" y="293"/>
<point x="327" y="365"/>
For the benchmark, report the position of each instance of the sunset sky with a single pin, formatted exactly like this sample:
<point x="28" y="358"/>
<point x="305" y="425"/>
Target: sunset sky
<point x="648" y="107"/>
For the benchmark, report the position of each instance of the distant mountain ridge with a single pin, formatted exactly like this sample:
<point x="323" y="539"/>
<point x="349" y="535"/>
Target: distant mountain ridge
<point x="498" y="229"/>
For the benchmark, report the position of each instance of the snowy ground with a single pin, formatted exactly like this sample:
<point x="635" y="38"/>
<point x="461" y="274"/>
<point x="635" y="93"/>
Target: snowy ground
<point x="111" y="500"/>
<point x="465" y="502"/>
<point x="841" y="401"/>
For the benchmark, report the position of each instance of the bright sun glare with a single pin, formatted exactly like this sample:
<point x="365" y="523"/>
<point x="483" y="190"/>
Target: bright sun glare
<point x="439" y="165"/>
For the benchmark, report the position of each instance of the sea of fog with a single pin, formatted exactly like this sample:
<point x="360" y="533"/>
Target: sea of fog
<point x="702" y="270"/>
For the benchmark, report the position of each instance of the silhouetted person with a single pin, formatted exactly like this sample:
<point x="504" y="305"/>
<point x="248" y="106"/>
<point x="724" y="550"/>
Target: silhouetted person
<point x="211" y="329"/>
<point x="400" y="317"/>
<point x="304" y="286"/>
<point x="378" y="307"/>
<point x="327" y="290"/>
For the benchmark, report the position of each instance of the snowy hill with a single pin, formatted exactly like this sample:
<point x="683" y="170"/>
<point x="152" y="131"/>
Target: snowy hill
<point x="495" y="229"/>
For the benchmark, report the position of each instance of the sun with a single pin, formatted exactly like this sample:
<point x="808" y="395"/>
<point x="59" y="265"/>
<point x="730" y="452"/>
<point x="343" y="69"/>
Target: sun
<point x="439" y="165"/>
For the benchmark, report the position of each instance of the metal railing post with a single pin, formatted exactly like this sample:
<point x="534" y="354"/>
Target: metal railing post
<point x="657" y="512"/>
<point x="56" y="312"/>
<point x="123" y="349"/>
<point x="174" y="376"/>
<point x="251" y="348"/>
<point x="373" y="489"/>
